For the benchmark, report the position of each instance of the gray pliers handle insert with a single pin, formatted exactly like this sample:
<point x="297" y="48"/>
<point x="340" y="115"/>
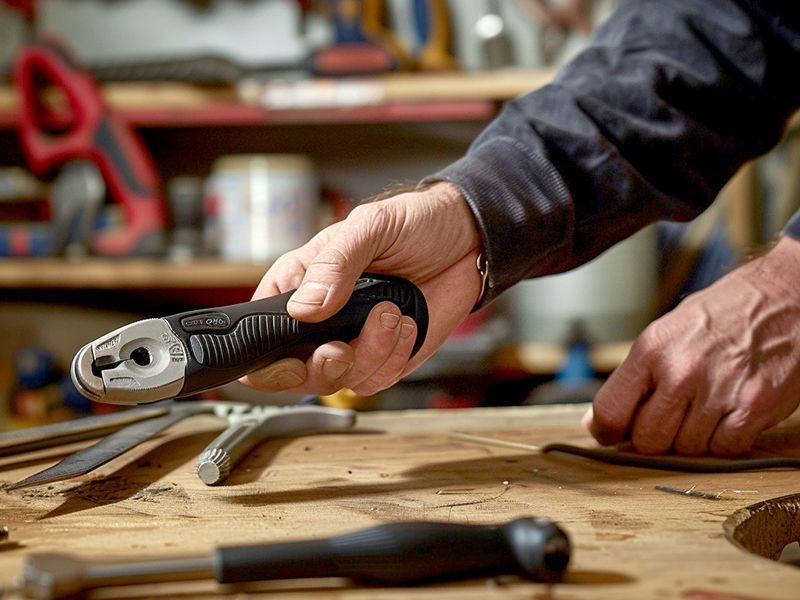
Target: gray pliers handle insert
<point x="183" y="354"/>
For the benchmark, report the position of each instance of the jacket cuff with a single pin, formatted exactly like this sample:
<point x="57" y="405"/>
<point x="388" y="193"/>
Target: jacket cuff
<point x="792" y="227"/>
<point x="521" y="207"/>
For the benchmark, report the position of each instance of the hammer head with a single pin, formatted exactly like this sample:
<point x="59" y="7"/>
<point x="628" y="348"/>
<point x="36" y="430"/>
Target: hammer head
<point x="48" y="576"/>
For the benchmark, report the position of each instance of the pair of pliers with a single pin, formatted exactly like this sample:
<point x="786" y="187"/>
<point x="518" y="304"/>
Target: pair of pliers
<point x="183" y="354"/>
<point x="247" y="426"/>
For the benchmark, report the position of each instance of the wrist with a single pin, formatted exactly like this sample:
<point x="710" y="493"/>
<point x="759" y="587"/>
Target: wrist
<point x="459" y="205"/>
<point x="460" y="217"/>
<point x="781" y="265"/>
<point x="447" y="197"/>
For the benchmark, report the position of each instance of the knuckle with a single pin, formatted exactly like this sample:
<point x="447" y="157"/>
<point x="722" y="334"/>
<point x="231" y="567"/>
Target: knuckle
<point x="654" y="430"/>
<point x="377" y="222"/>
<point x="734" y="437"/>
<point x="650" y="444"/>
<point x="608" y="422"/>
<point x="729" y="448"/>
<point x="282" y="375"/>
<point x="652" y="340"/>
<point x="369" y="388"/>
<point x="365" y="219"/>
<point x="331" y="260"/>
<point x="286" y="272"/>
<point x="689" y="447"/>
<point x="607" y="436"/>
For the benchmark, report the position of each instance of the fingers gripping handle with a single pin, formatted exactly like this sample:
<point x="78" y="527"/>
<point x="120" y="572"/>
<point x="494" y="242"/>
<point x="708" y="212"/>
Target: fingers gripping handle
<point x="408" y="553"/>
<point x="228" y="342"/>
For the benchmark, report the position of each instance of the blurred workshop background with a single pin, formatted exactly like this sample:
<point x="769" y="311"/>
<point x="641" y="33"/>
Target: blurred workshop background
<point x="156" y="155"/>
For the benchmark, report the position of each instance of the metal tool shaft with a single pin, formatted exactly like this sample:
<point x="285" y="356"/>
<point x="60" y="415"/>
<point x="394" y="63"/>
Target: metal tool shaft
<point x="247" y="431"/>
<point x="50" y="576"/>
<point x="154" y="571"/>
<point x="392" y="554"/>
<point x="74" y="430"/>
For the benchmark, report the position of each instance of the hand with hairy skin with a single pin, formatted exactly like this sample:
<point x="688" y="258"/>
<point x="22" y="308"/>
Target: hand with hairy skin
<point x="428" y="237"/>
<point x="712" y="374"/>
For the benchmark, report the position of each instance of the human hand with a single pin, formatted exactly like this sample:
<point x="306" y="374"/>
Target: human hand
<point x="428" y="237"/>
<point x="716" y="371"/>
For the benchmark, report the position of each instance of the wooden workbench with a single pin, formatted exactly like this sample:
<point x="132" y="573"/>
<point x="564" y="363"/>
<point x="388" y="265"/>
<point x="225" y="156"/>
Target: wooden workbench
<point x="630" y="541"/>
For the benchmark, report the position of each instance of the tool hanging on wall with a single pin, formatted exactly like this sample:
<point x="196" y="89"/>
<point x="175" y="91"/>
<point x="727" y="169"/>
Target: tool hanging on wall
<point x="494" y="40"/>
<point x="78" y="126"/>
<point x="558" y="21"/>
<point x="432" y="26"/>
<point x="367" y="42"/>
<point x="362" y="43"/>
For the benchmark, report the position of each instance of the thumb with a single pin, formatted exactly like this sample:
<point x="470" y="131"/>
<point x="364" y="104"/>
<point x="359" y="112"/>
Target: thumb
<point x="330" y="276"/>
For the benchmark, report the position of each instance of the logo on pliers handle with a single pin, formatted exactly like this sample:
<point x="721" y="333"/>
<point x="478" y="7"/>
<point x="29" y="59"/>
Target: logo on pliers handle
<point x="215" y="320"/>
<point x="108" y="344"/>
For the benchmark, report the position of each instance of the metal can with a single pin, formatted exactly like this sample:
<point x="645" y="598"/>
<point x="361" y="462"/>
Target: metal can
<point x="267" y="204"/>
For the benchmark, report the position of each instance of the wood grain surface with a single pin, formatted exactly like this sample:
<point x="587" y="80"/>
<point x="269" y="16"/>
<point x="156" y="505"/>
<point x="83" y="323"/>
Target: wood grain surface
<point x="630" y="540"/>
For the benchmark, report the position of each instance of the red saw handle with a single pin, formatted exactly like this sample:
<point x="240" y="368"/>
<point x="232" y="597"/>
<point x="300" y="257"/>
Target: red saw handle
<point x="87" y="130"/>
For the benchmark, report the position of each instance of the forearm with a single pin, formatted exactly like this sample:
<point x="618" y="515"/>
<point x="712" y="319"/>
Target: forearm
<point x="648" y="123"/>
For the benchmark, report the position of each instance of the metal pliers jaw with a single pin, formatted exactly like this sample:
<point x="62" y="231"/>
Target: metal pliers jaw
<point x="135" y="364"/>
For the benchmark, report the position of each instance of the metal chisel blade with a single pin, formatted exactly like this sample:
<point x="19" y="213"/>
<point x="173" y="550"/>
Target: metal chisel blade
<point x="119" y="442"/>
<point x="74" y="430"/>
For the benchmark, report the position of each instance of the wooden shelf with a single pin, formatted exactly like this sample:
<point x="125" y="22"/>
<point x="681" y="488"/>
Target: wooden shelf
<point x="127" y="273"/>
<point x="544" y="359"/>
<point x="395" y="98"/>
<point x="391" y="98"/>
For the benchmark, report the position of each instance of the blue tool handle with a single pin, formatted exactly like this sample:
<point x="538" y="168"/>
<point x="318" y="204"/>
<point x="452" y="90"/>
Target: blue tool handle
<point x="228" y="342"/>
<point x="407" y="553"/>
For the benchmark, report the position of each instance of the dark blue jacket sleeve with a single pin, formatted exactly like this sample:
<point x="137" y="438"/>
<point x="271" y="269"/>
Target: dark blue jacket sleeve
<point x="666" y="102"/>
<point x="792" y="227"/>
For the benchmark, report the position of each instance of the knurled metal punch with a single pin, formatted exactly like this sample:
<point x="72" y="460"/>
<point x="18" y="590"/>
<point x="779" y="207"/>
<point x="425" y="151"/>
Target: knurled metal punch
<point x="187" y="353"/>
<point x="249" y="427"/>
